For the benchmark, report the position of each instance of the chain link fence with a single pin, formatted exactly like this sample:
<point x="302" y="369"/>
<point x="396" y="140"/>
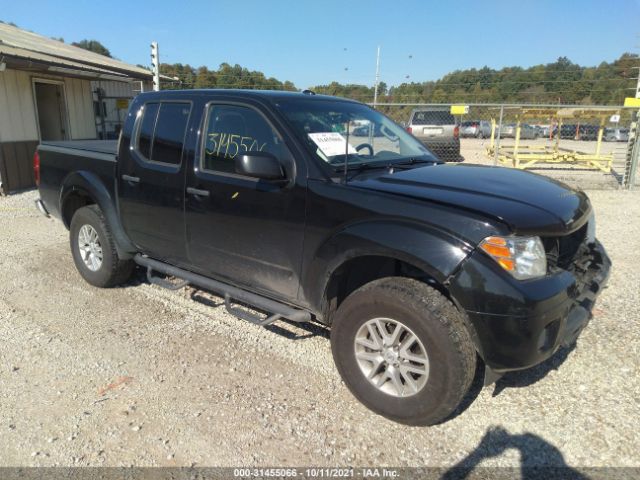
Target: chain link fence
<point x="586" y="146"/>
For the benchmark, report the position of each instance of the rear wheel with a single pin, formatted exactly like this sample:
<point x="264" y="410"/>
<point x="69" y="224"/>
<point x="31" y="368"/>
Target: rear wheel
<point x="403" y="350"/>
<point x="94" y="251"/>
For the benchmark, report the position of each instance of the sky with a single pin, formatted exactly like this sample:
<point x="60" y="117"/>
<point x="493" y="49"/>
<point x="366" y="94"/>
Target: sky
<point x="315" y="42"/>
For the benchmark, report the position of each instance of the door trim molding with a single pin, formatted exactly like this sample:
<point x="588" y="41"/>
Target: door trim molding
<point x="65" y="105"/>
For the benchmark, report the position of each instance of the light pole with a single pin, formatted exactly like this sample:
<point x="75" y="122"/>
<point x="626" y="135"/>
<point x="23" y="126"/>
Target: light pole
<point x="155" y="65"/>
<point x="375" y="88"/>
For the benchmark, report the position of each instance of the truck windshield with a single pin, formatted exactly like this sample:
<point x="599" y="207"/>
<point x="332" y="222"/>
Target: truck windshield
<point x="337" y="131"/>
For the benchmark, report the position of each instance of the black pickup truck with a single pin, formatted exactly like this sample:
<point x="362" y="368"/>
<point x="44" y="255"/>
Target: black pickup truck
<point x="421" y="269"/>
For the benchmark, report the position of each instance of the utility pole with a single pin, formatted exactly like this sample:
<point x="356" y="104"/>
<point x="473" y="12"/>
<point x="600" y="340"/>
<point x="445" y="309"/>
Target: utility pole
<point x="155" y="65"/>
<point x="375" y="88"/>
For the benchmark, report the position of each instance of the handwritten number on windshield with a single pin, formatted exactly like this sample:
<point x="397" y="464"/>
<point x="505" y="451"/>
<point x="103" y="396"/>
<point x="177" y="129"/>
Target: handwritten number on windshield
<point x="229" y="145"/>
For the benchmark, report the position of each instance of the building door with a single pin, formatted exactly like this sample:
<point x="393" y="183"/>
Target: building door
<point x="51" y="111"/>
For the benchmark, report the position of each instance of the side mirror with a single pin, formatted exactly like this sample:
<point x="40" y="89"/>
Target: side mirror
<point x="262" y="165"/>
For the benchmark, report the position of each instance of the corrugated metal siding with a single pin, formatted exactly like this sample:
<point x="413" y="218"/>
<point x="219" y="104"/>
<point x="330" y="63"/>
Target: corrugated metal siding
<point x="118" y="89"/>
<point x="18" y="121"/>
<point x="80" y="108"/>
<point x="16" y="166"/>
<point x="17" y="108"/>
<point x="114" y="117"/>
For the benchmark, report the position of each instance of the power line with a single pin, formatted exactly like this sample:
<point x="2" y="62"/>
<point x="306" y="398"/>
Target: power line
<point x="479" y="94"/>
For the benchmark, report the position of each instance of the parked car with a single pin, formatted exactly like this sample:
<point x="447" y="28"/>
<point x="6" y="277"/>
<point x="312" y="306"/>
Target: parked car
<point x="588" y="132"/>
<point x="419" y="268"/>
<point x="568" y="131"/>
<point x="544" y="130"/>
<point x="527" y="132"/>
<point x="475" y="128"/>
<point x="437" y="129"/>
<point x="365" y="130"/>
<point x="616" y="135"/>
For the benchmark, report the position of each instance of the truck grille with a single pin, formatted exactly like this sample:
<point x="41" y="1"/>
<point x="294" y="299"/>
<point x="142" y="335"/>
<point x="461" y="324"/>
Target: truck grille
<point x="562" y="251"/>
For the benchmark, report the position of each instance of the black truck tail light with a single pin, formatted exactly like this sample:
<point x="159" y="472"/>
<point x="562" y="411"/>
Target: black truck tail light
<point x="36" y="168"/>
<point x="456" y="132"/>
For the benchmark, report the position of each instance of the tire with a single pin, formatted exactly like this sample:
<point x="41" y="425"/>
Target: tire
<point x="441" y="331"/>
<point x="104" y="272"/>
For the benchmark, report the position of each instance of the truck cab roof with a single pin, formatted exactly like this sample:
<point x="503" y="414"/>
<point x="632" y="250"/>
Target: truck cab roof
<point x="269" y="95"/>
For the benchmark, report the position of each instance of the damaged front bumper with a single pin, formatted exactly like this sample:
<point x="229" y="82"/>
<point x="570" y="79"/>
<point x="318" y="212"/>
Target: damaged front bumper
<point x="519" y="324"/>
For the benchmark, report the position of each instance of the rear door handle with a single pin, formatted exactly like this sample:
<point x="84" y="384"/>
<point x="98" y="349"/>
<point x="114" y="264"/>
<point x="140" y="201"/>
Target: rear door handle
<point x="197" y="192"/>
<point x="129" y="178"/>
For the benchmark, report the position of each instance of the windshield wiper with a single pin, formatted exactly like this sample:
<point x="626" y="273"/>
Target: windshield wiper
<point x="358" y="168"/>
<point x="415" y="161"/>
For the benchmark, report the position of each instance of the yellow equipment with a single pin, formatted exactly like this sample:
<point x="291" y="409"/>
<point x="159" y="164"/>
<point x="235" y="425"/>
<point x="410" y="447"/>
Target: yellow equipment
<point x="525" y="156"/>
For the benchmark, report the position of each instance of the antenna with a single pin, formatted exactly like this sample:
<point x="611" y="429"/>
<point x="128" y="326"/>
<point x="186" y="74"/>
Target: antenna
<point x="375" y="87"/>
<point x="346" y="150"/>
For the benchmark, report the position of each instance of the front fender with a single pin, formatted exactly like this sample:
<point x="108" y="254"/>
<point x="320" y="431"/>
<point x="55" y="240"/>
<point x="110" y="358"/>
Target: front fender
<point x="91" y="184"/>
<point x="433" y="251"/>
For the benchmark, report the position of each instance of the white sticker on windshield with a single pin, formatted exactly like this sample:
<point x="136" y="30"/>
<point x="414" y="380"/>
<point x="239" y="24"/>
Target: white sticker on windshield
<point x="331" y="143"/>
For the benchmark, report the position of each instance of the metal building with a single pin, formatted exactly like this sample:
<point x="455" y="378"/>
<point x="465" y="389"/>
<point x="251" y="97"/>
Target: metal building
<point x="50" y="90"/>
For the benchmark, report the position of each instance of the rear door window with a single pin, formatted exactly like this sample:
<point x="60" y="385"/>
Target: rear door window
<point x="146" y="129"/>
<point x="171" y="128"/>
<point x="433" y="117"/>
<point x="162" y="131"/>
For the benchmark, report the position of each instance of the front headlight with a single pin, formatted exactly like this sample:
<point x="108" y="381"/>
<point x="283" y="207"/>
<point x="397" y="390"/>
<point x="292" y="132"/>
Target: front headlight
<point x="522" y="257"/>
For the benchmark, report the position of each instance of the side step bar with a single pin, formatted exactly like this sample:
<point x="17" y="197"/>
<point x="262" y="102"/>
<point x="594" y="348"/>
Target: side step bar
<point x="276" y="309"/>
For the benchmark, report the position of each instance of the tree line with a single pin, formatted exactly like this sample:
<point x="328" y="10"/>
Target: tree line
<point x="561" y="82"/>
<point x="225" y="76"/>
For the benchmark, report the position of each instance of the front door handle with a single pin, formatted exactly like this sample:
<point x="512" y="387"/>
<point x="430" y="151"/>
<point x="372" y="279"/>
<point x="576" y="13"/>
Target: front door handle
<point x="129" y="178"/>
<point x="197" y="192"/>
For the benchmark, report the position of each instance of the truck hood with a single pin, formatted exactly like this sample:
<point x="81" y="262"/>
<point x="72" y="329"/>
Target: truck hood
<point x="528" y="203"/>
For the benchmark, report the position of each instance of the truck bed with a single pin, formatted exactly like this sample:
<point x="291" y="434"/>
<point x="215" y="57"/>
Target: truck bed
<point x="98" y="146"/>
<point x="95" y="161"/>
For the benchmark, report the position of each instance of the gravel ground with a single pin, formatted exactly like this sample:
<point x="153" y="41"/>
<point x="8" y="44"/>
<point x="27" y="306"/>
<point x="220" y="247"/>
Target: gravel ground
<point x="142" y="376"/>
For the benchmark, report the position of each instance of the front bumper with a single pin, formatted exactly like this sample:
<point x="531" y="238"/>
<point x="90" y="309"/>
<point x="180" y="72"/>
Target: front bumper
<point x="520" y="324"/>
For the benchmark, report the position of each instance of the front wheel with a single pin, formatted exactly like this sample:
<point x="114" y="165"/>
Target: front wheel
<point x="94" y="249"/>
<point x="403" y="350"/>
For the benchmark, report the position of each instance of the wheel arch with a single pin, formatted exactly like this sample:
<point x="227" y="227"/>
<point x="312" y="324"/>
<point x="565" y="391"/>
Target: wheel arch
<point x="357" y="271"/>
<point x="367" y="251"/>
<point x="84" y="188"/>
